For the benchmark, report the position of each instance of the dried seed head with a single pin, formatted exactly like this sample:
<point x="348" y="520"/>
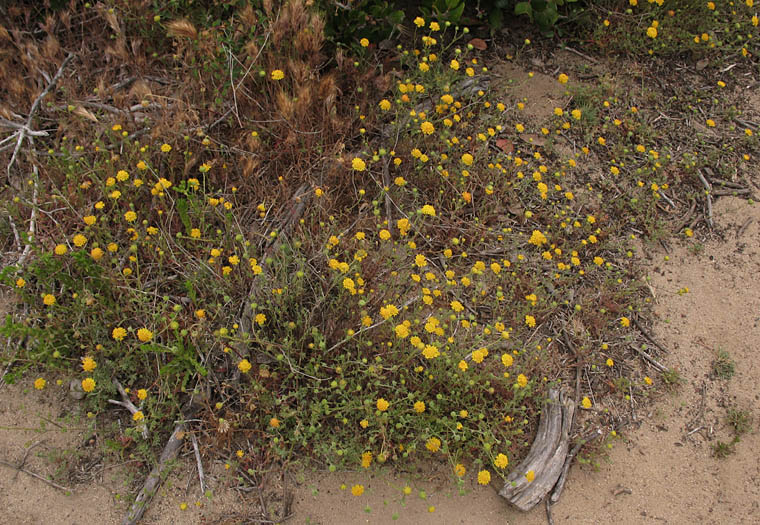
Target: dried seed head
<point x="182" y="28"/>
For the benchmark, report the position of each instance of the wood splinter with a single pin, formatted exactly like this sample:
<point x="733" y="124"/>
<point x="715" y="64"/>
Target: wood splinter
<point x="547" y="454"/>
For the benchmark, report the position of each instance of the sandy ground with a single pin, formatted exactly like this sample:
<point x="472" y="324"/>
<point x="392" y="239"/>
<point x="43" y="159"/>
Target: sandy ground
<point x="662" y="472"/>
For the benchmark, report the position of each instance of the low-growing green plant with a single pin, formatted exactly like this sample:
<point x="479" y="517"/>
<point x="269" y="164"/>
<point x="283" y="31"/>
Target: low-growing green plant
<point x="444" y="10"/>
<point x="544" y="13"/>
<point x="324" y="264"/>
<point x="723" y="367"/>
<point x="723" y="449"/>
<point x="740" y="420"/>
<point x="672" y="378"/>
<point x="380" y="310"/>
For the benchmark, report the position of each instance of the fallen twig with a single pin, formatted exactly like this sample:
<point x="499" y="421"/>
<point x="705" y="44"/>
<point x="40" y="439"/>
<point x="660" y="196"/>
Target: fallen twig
<point x="708" y="192"/>
<point x="32" y="219"/>
<point x="127" y="403"/>
<point x="737" y="191"/>
<point x="35" y="475"/>
<point x="575" y="51"/>
<point x="560" y="485"/>
<point x="201" y="476"/>
<point x="143" y="498"/>
<point x="549" y="518"/>
<point x="744" y="227"/>
<point x="652" y="340"/>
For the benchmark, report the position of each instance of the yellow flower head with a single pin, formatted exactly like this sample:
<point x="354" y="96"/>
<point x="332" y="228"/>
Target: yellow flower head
<point x="430" y="352"/>
<point x="358" y="164"/>
<point x="427" y="209"/>
<point x="459" y="470"/>
<point x="484" y="477"/>
<point x="501" y="461"/>
<point x="60" y="249"/>
<point x="88" y="384"/>
<point x="563" y="78"/>
<point x="138" y="416"/>
<point x="467" y="159"/>
<point x="382" y="405"/>
<point x="364" y="42"/>
<point x="142" y="394"/>
<point x="586" y="403"/>
<point x="357" y="490"/>
<point x="244" y="366"/>
<point x="48" y="299"/>
<point x="144" y="335"/>
<point x="79" y="240"/>
<point x="88" y="364"/>
<point x="537" y="238"/>
<point x="419" y="407"/>
<point x="433" y="444"/>
<point x="166" y="148"/>
<point x="39" y="383"/>
<point x="277" y="74"/>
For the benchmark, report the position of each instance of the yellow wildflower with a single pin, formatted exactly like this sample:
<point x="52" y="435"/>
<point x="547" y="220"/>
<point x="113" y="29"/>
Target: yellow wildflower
<point x="484" y="477"/>
<point x="244" y="366"/>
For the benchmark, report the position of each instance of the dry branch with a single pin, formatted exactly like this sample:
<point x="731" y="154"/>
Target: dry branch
<point x="35" y="475"/>
<point x="150" y="487"/>
<point x="660" y="367"/>
<point x="23" y="131"/>
<point x="127" y="403"/>
<point x="201" y="475"/>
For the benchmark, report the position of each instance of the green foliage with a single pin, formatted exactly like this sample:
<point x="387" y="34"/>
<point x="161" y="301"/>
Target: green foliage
<point x="723" y="449"/>
<point x="375" y="20"/>
<point x="443" y="10"/>
<point x="740" y="420"/>
<point x="723" y="366"/>
<point x="544" y="13"/>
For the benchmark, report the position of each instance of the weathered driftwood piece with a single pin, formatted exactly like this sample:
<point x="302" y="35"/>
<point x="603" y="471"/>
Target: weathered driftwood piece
<point x="150" y="487"/>
<point x="547" y="454"/>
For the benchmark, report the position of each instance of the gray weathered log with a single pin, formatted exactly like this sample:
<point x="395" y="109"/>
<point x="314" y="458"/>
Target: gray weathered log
<point x="547" y="454"/>
<point x="156" y="475"/>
